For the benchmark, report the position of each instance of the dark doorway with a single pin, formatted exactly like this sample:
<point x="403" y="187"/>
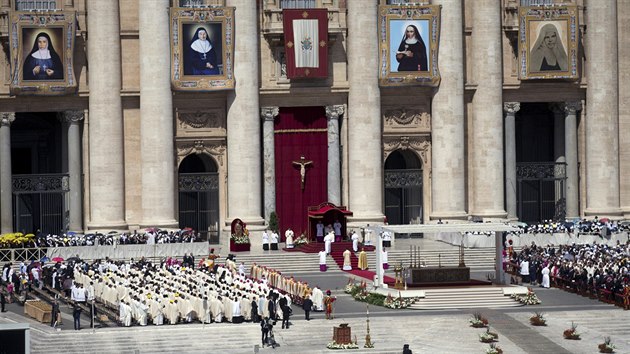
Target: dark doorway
<point x="199" y="196"/>
<point x="403" y="188"/>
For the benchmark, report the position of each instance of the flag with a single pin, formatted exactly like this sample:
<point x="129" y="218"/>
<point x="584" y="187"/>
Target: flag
<point x="306" y="42"/>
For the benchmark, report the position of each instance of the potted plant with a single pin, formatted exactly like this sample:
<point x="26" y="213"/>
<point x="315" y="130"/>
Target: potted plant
<point x="488" y="337"/>
<point x="478" y="321"/>
<point x="538" y="319"/>
<point x="571" y="333"/>
<point x="607" y="346"/>
<point x="494" y="349"/>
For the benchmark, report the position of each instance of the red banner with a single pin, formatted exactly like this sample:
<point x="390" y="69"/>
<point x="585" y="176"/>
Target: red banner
<point x="306" y="42"/>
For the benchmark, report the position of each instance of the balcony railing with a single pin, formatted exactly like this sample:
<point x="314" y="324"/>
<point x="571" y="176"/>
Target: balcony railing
<point x="272" y="15"/>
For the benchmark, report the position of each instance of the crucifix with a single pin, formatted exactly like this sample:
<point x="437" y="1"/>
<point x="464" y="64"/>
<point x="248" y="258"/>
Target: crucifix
<point x="302" y="162"/>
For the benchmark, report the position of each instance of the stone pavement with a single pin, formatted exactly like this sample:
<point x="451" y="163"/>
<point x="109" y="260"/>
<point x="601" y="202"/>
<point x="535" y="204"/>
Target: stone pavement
<point x="424" y="331"/>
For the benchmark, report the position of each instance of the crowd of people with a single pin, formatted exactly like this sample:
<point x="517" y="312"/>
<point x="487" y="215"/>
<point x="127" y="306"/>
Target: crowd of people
<point x="596" y="269"/>
<point x="148" y="237"/>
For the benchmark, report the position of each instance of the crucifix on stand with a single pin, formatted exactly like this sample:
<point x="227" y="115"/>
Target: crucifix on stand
<point x="302" y="162"/>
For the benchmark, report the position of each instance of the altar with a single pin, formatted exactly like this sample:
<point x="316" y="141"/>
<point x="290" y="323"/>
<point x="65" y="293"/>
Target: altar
<point x="438" y="275"/>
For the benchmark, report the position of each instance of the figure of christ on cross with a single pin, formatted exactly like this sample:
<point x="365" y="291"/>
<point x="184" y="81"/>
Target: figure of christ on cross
<point x="302" y="162"/>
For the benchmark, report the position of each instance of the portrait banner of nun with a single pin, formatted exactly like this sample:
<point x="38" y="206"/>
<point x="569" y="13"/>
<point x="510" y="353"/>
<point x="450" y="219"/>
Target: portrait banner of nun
<point x="408" y="45"/>
<point x="42" y="45"/>
<point x="548" y="43"/>
<point x="202" y="47"/>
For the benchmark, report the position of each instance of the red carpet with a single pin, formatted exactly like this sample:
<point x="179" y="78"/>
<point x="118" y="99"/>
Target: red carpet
<point x="315" y="247"/>
<point x="471" y="282"/>
<point x="336" y="253"/>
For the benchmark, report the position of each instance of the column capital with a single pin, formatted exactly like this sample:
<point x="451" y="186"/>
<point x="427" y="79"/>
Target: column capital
<point x="269" y="113"/>
<point x="511" y="107"/>
<point x="6" y="118"/>
<point x="572" y="107"/>
<point x="334" y="111"/>
<point x="71" y="116"/>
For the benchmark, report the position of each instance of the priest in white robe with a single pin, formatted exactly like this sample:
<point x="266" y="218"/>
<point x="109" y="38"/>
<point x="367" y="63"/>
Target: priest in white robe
<point x="318" y="299"/>
<point x="322" y="260"/>
<point x="347" y="264"/>
<point x="288" y="235"/>
<point x="355" y="241"/>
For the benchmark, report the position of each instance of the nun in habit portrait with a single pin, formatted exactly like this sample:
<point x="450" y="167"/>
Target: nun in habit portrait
<point x="412" y="52"/>
<point x="202" y="56"/>
<point x="42" y="62"/>
<point x="548" y="53"/>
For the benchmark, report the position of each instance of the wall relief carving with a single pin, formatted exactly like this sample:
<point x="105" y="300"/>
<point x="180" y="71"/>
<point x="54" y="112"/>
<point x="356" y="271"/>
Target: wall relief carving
<point x="419" y="144"/>
<point x="404" y="116"/>
<point x="198" y="120"/>
<point x="215" y="149"/>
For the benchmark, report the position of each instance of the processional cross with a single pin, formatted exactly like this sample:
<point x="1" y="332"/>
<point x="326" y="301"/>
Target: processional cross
<point x="302" y="162"/>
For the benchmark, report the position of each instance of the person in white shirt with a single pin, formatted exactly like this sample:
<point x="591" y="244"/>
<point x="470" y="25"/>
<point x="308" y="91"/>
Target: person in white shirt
<point x="265" y="240"/>
<point x="274" y="240"/>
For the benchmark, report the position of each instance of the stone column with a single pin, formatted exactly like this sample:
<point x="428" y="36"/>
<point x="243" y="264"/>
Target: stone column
<point x="602" y="138"/>
<point x="364" y="114"/>
<point x="448" y="183"/>
<point x="558" y="147"/>
<point x="106" y="131"/>
<point x="571" y="156"/>
<point x="243" y="122"/>
<point x="487" y="155"/>
<point x="623" y="61"/>
<point x="156" y="116"/>
<point x="268" y="115"/>
<point x="6" y="185"/>
<point x="72" y="119"/>
<point x="334" y="155"/>
<point x="510" y="109"/>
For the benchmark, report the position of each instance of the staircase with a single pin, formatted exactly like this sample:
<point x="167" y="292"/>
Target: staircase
<point x="298" y="262"/>
<point x="468" y="297"/>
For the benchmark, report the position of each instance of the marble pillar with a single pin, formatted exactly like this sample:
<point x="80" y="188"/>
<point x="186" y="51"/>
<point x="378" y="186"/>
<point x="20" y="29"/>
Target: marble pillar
<point x="365" y="157"/>
<point x="106" y="131"/>
<point x="72" y="120"/>
<point x="571" y="156"/>
<point x="156" y="117"/>
<point x="487" y="126"/>
<point x="6" y="185"/>
<point x="243" y="122"/>
<point x="333" y="113"/>
<point x="602" y="124"/>
<point x="558" y="150"/>
<point x="510" y="109"/>
<point x="268" y="115"/>
<point x="448" y="183"/>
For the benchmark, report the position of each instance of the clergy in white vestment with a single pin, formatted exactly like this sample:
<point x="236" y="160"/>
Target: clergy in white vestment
<point x="337" y="229"/>
<point x="143" y="311"/>
<point x="318" y="299"/>
<point x="328" y="240"/>
<point x="347" y="265"/>
<point x="545" y="277"/>
<point x="227" y="308"/>
<point x="289" y="238"/>
<point x="322" y="261"/>
<point x="355" y="241"/>
<point x="367" y="238"/>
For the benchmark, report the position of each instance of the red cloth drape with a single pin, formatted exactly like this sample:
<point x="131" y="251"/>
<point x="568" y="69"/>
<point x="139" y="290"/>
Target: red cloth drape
<point x="300" y="131"/>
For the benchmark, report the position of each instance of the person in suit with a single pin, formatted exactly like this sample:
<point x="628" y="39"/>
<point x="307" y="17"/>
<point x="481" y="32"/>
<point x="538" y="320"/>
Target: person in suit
<point x="307" y="305"/>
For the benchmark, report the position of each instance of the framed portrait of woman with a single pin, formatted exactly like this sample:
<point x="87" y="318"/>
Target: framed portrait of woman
<point x="202" y="49"/>
<point x="408" y="45"/>
<point x="42" y="45"/>
<point x="548" y="42"/>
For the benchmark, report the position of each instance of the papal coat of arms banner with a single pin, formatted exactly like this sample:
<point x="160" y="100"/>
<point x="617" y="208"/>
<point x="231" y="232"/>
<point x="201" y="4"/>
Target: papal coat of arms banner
<point x="306" y="42"/>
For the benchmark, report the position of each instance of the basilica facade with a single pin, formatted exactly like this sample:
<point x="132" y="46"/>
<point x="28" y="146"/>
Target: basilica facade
<point x="499" y="118"/>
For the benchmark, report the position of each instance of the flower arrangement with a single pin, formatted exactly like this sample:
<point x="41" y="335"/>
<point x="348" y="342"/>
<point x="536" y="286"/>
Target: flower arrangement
<point x="478" y="321"/>
<point x="571" y="333"/>
<point x="607" y="346"/>
<point x="398" y="302"/>
<point x="494" y="349"/>
<point x="241" y="239"/>
<point x="538" y="319"/>
<point x="488" y="337"/>
<point x="335" y="345"/>
<point x="528" y="299"/>
<point x="302" y="240"/>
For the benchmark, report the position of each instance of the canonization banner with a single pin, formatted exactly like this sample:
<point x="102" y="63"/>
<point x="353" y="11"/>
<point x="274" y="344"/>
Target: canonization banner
<point x="306" y="42"/>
